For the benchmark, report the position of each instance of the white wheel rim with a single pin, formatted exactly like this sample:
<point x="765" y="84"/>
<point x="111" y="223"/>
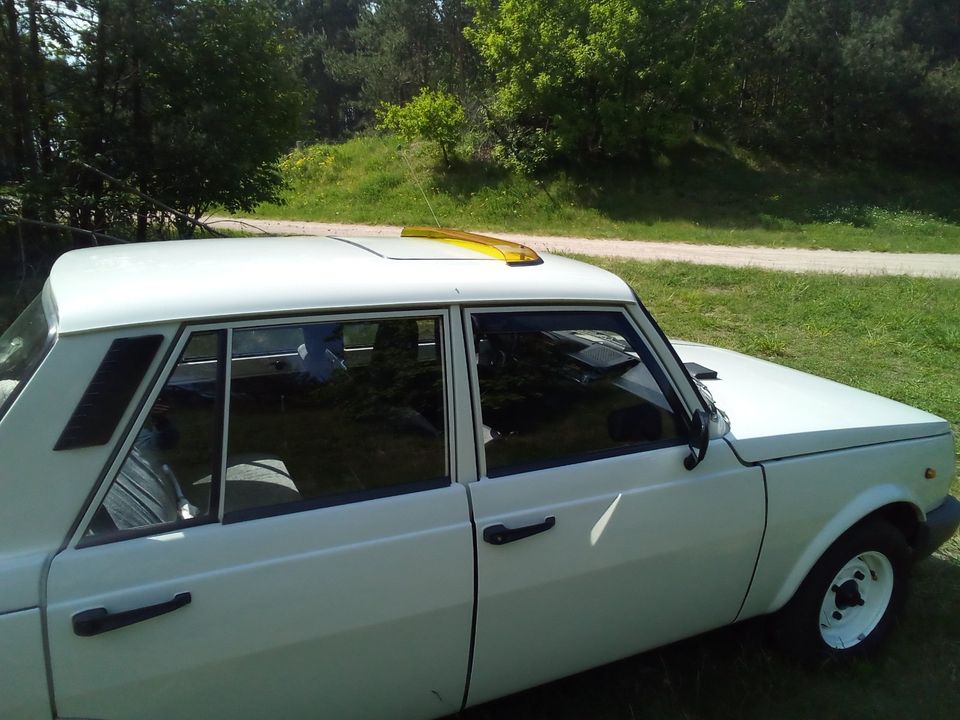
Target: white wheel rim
<point x="856" y="600"/>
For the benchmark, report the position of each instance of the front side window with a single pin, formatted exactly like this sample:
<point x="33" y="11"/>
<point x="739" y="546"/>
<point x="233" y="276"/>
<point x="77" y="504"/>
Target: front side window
<point x="166" y="479"/>
<point x="560" y="387"/>
<point x="22" y="346"/>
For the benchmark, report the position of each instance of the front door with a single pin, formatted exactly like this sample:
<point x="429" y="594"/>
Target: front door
<point x="593" y="541"/>
<point x="311" y="556"/>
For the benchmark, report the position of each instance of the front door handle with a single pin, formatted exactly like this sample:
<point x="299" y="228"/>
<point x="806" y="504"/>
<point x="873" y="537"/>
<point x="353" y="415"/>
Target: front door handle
<point x="501" y="534"/>
<point x="98" y="620"/>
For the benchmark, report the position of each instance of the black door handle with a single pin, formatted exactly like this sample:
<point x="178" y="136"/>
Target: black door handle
<point x="98" y="620"/>
<point x="501" y="534"/>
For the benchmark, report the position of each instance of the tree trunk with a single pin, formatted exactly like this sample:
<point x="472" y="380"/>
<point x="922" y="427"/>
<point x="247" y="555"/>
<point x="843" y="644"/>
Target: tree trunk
<point x="19" y="102"/>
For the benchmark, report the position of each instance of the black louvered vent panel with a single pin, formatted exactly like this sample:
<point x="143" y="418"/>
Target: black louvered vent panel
<point x="109" y="392"/>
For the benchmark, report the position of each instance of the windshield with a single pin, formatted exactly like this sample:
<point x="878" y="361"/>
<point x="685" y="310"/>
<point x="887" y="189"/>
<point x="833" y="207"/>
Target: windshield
<point x="22" y="347"/>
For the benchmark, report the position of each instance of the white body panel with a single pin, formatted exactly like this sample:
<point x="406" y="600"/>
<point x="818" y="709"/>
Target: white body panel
<point x="776" y="412"/>
<point x="813" y="500"/>
<point x="23" y="681"/>
<point x="642" y="553"/>
<point x="354" y="611"/>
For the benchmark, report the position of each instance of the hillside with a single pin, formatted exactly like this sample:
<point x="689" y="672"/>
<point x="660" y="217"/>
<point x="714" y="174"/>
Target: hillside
<point x="703" y="194"/>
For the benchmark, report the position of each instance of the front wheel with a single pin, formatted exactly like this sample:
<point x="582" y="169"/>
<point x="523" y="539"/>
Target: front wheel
<point x="849" y="601"/>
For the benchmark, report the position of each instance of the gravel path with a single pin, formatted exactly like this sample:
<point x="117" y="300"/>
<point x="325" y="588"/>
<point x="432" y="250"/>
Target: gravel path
<point x="789" y="259"/>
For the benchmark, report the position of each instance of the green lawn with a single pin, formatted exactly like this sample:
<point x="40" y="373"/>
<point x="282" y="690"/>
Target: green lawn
<point x="703" y="195"/>
<point x="895" y="336"/>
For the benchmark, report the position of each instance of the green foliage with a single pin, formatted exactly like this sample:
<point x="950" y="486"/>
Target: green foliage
<point x="602" y="78"/>
<point x="324" y="32"/>
<point x="192" y="138"/>
<point x="432" y="115"/>
<point x="863" y="80"/>
<point x="400" y="46"/>
<point x="189" y="102"/>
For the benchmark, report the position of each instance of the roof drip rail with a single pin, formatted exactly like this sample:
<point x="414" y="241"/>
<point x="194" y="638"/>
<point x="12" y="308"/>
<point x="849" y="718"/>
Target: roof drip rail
<point x="513" y="253"/>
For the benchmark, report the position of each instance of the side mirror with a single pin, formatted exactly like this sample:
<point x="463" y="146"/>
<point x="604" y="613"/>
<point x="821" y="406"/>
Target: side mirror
<point x="699" y="439"/>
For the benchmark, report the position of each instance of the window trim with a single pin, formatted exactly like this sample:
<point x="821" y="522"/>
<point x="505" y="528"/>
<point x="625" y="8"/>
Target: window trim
<point x="674" y="398"/>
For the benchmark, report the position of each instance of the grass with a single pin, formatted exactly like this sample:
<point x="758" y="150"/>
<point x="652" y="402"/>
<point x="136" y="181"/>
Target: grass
<point x="703" y="195"/>
<point x="895" y="336"/>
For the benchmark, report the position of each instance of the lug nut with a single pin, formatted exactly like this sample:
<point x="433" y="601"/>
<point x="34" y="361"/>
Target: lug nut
<point x="858" y="575"/>
<point x="837" y="615"/>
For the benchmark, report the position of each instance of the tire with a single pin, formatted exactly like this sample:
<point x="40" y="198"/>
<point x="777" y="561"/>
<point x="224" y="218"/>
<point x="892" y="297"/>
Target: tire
<point x="849" y="602"/>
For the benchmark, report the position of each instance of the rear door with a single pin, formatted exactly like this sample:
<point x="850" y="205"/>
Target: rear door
<point x="280" y="536"/>
<point x="593" y="541"/>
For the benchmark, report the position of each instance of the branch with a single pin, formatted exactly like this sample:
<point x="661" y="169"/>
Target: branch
<point x="144" y="196"/>
<point x="60" y="226"/>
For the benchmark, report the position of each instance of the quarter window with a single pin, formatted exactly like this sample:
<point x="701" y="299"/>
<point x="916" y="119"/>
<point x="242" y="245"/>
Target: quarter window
<point x="560" y="387"/>
<point x="22" y="346"/>
<point x="165" y="480"/>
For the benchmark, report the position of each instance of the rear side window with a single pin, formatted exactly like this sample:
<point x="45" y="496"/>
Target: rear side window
<point x="334" y="412"/>
<point x="308" y="415"/>
<point x="22" y="347"/>
<point x="563" y="387"/>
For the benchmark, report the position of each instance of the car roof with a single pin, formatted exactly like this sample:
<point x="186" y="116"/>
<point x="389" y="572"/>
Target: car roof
<point x="149" y="283"/>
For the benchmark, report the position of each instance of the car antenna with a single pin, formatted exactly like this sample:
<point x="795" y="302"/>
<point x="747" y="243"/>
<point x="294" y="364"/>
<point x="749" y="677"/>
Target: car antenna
<point x="416" y="180"/>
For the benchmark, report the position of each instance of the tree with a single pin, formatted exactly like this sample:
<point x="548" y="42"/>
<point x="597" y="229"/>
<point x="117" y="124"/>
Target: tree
<point x="191" y="102"/>
<point x="853" y="78"/>
<point x="325" y="29"/>
<point x="401" y="46"/>
<point x="187" y="101"/>
<point x="595" y="78"/>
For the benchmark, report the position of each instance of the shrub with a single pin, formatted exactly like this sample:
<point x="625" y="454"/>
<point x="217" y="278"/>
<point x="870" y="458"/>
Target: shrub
<point x="432" y="115"/>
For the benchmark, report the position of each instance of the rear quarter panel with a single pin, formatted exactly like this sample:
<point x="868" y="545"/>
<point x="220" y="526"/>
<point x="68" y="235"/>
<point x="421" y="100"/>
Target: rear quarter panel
<point x="813" y="499"/>
<point x="23" y="680"/>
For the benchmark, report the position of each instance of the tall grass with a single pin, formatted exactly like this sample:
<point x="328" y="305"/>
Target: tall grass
<point x="703" y="195"/>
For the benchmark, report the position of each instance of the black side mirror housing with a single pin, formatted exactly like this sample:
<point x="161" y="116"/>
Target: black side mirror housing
<point x="699" y="439"/>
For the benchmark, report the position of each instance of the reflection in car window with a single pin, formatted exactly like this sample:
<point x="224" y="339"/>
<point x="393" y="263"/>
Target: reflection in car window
<point x="355" y="411"/>
<point x="22" y="346"/>
<point x="567" y="386"/>
<point x="165" y="480"/>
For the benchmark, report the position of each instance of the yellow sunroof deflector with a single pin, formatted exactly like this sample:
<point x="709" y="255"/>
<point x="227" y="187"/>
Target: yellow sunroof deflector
<point x="513" y="253"/>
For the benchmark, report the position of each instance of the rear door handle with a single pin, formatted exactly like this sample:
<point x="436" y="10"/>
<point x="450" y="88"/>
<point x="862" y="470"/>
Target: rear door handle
<point x="501" y="534"/>
<point x="98" y="620"/>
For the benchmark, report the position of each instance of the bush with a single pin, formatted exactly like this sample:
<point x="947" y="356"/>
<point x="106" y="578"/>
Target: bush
<point x="432" y="115"/>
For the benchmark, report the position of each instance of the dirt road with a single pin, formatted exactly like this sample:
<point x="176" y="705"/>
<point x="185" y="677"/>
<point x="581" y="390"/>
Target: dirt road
<point x="789" y="259"/>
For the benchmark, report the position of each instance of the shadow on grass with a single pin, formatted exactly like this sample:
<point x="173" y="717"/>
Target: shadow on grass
<point x="732" y="673"/>
<point x="714" y="189"/>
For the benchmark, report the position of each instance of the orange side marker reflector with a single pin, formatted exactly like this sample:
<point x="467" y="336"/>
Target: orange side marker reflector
<point x="930" y="473"/>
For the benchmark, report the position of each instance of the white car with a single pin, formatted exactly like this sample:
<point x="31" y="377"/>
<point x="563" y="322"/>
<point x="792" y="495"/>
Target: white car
<point x="394" y="477"/>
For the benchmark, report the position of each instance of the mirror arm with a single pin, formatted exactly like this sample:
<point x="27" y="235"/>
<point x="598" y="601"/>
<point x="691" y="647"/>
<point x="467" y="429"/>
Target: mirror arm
<point x="700" y="432"/>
